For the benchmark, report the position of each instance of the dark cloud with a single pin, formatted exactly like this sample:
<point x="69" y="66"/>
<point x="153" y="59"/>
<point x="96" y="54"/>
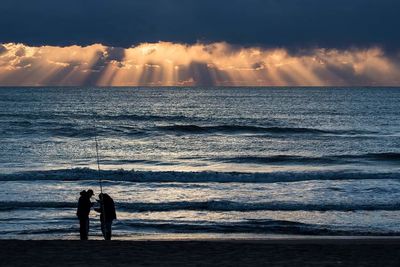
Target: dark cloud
<point x="292" y="24"/>
<point x="20" y="52"/>
<point x="3" y="49"/>
<point x="258" y="65"/>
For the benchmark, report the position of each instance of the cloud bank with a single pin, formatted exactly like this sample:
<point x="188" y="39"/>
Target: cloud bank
<point x="290" y="24"/>
<point x="174" y="64"/>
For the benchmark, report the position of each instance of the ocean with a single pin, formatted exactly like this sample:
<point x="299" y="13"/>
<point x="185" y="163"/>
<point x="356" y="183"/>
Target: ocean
<point x="201" y="162"/>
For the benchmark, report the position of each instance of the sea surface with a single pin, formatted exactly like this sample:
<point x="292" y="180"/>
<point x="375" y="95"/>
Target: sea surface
<point x="201" y="162"/>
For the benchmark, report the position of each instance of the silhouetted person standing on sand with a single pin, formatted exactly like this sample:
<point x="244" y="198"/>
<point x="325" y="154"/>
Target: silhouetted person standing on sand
<point x="84" y="206"/>
<point x="107" y="214"/>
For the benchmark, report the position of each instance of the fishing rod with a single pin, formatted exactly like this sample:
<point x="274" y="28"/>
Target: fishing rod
<point x="98" y="161"/>
<point x="100" y="181"/>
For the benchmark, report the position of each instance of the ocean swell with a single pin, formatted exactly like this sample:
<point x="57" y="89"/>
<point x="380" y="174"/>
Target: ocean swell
<point x="214" y="205"/>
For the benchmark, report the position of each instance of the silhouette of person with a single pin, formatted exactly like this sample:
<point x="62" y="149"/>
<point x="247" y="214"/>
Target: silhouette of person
<point x="84" y="205"/>
<point x="107" y="214"/>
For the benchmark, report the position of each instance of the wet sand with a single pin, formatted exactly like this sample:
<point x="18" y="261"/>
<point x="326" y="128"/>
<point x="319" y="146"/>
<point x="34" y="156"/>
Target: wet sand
<point x="283" y="252"/>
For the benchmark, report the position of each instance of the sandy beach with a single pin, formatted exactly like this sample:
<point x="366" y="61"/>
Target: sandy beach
<point x="283" y="252"/>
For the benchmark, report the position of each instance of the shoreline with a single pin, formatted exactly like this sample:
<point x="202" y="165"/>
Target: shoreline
<point x="379" y="251"/>
<point x="248" y="240"/>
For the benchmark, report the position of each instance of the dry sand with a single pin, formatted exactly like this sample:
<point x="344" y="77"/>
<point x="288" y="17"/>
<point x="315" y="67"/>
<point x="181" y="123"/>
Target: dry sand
<point x="299" y="252"/>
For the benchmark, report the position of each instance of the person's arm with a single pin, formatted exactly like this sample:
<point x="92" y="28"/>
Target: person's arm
<point x="100" y="208"/>
<point x="114" y="214"/>
<point x="79" y="209"/>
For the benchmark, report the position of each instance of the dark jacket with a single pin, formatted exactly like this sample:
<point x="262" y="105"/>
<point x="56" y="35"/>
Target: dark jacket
<point x="109" y="209"/>
<point x="84" y="206"/>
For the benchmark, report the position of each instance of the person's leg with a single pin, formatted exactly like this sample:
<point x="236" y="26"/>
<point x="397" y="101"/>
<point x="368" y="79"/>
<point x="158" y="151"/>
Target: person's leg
<point x="87" y="228"/>
<point x="104" y="230"/>
<point x="108" y="229"/>
<point x="83" y="228"/>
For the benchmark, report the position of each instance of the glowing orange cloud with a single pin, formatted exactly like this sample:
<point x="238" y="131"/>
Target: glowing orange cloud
<point x="171" y="64"/>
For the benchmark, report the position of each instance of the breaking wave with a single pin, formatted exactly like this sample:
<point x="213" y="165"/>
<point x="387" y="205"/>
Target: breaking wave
<point x="225" y="206"/>
<point x="195" y="129"/>
<point x="255" y="226"/>
<point x="333" y="159"/>
<point x="82" y="174"/>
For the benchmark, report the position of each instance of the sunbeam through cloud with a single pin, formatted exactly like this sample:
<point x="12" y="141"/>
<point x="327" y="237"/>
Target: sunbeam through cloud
<point x="175" y="64"/>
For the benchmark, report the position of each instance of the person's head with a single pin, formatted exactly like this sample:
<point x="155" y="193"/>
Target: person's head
<point x="104" y="196"/>
<point x="90" y="193"/>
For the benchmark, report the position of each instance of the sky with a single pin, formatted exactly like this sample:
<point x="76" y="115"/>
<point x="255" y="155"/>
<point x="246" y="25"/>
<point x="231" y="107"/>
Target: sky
<point x="199" y="43"/>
